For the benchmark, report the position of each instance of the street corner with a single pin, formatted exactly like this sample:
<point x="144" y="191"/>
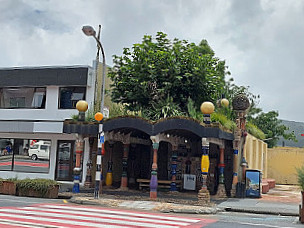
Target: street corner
<point x="284" y="194"/>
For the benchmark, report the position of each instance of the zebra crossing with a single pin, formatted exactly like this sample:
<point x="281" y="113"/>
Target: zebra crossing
<point x="72" y="216"/>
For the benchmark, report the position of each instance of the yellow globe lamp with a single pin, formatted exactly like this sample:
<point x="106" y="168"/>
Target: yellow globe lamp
<point x="98" y="116"/>
<point x="207" y="107"/>
<point x="224" y="102"/>
<point x="82" y="106"/>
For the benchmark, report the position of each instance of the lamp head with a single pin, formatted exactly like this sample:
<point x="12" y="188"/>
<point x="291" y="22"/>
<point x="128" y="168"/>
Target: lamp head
<point x="207" y="107"/>
<point x="98" y="116"/>
<point x="82" y="106"/>
<point x="224" y="102"/>
<point x="88" y="30"/>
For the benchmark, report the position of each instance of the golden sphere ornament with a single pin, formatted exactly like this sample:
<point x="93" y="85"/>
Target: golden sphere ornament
<point x="207" y="107"/>
<point x="82" y="106"/>
<point x="224" y="102"/>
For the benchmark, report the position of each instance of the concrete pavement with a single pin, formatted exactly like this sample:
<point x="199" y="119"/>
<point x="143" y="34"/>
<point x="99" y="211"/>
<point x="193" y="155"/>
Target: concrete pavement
<point x="282" y="200"/>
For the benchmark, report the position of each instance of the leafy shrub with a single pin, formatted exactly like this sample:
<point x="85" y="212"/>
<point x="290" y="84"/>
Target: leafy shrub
<point x="40" y="185"/>
<point x="300" y="172"/>
<point x="255" y="131"/>
<point x="223" y="120"/>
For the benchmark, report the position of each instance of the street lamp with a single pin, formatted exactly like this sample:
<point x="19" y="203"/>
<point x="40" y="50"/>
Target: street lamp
<point x="89" y="31"/>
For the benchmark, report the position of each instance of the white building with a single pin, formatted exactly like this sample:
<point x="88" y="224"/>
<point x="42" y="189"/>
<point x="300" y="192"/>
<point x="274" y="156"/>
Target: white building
<point x="34" y="102"/>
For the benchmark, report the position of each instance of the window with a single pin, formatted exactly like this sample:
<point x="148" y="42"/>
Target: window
<point x="22" y="97"/>
<point x="34" y="147"/>
<point x="17" y="102"/>
<point x="69" y="96"/>
<point x="25" y="155"/>
<point x="42" y="147"/>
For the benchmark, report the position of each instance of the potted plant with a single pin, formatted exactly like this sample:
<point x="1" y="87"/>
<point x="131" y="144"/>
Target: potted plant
<point x="43" y="188"/>
<point x="300" y="173"/>
<point x="8" y="186"/>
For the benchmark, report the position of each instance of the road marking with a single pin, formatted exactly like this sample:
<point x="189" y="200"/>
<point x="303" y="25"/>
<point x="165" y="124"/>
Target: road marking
<point x="72" y="216"/>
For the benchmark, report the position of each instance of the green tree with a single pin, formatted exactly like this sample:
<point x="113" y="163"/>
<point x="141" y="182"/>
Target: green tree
<point x="231" y="90"/>
<point x="272" y="128"/>
<point x="261" y="125"/>
<point x="160" y="71"/>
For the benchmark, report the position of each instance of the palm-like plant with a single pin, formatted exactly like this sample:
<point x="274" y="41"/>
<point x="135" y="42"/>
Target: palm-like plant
<point x="300" y="172"/>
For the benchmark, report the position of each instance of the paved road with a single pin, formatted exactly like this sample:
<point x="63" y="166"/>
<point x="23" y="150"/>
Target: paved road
<point x="67" y="215"/>
<point x="15" y="201"/>
<point x="242" y="220"/>
<point x="30" y="212"/>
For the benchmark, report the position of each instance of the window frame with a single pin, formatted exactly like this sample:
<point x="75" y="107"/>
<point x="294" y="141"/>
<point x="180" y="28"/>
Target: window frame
<point x="73" y="105"/>
<point x="43" y="102"/>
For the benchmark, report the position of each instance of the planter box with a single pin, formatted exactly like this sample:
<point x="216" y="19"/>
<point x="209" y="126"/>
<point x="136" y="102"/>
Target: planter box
<point x="271" y="183"/>
<point x="265" y="188"/>
<point x="7" y="188"/>
<point x="51" y="193"/>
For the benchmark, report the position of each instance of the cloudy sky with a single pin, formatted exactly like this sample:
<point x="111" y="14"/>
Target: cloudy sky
<point x="262" y="41"/>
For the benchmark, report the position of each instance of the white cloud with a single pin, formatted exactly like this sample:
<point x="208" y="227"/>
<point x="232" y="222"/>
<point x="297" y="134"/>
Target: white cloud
<point x="261" y="41"/>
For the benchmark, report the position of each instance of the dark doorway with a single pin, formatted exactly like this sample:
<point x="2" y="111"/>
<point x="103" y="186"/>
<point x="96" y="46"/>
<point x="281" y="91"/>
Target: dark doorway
<point x="139" y="163"/>
<point x="66" y="159"/>
<point x="162" y="161"/>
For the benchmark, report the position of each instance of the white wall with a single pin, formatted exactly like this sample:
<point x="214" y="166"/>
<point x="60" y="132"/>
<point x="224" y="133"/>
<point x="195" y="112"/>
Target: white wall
<point x="51" y="111"/>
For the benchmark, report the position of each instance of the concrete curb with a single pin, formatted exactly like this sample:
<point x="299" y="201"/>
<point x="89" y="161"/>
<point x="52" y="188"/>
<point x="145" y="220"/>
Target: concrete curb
<point x="261" y="211"/>
<point x="159" y="206"/>
<point x="175" y="208"/>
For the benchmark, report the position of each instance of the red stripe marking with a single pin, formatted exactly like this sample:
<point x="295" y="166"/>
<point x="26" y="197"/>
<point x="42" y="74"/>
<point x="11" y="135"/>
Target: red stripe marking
<point x="5" y="163"/>
<point x="31" y="164"/>
<point x="139" y="215"/>
<point x="2" y="224"/>
<point x="201" y="223"/>
<point x="41" y="222"/>
<point x="115" y="210"/>
<point x="158" y="222"/>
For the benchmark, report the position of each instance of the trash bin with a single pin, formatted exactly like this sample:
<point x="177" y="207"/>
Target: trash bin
<point x="240" y="190"/>
<point x="253" y="183"/>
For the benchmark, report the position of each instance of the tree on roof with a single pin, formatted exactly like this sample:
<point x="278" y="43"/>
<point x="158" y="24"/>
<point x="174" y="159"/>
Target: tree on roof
<point x="157" y="76"/>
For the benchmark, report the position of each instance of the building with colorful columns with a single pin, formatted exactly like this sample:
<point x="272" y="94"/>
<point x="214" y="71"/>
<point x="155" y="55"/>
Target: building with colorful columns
<point x="165" y="154"/>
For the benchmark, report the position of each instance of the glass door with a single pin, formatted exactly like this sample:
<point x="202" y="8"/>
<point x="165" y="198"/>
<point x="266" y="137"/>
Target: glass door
<point x="65" y="160"/>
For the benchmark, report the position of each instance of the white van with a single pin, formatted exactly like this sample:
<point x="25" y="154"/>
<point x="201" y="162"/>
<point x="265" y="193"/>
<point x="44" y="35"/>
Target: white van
<point x="40" y="150"/>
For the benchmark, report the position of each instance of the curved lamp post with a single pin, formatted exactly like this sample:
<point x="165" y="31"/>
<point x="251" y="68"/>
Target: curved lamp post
<point x="89" y="31"/>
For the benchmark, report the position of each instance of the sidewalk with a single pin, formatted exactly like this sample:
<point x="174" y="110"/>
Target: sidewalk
<point x="282" y="200"/>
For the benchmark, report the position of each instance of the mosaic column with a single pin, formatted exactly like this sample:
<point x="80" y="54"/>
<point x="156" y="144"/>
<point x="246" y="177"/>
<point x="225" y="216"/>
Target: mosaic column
<point x="204" y="195"/>
<point x="88" y="181"/>
<point x="240" y="104"/>
<point x="77" y="169"/>
<point x="173" y="187"/>
<point x="153" y="180"/>
<point x="109" y="176"/>
<point x="236" y="143"/>
<point x="221" y="191"/>
<point x="124" y="177"/>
